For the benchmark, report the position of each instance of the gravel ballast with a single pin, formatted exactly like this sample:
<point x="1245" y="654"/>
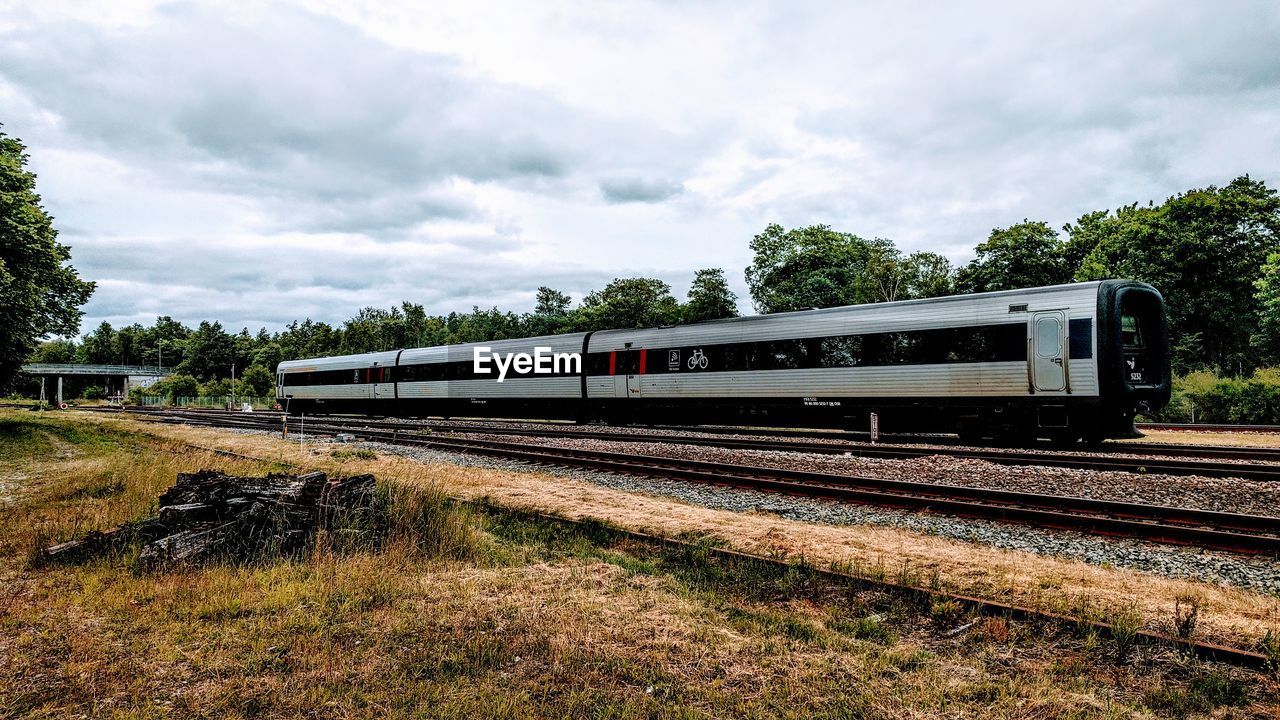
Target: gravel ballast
<point x="1256" y="573"/>
<point x="1233" y="495"/>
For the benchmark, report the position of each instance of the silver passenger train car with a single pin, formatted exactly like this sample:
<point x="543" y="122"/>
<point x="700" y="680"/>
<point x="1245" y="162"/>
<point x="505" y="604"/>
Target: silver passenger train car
<point x="1062" y="362"/>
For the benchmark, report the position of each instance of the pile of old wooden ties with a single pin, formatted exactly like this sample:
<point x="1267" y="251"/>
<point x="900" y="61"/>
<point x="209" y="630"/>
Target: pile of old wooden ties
<point x="209" y="514"/>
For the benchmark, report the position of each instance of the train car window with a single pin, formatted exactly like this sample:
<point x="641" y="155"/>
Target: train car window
<point x="628" y="362"/>
<point x="1048" y="337"/>
<point x="1130" y="331"/>
<point x="843" y="351"/>
<point x="1081" y="332"/>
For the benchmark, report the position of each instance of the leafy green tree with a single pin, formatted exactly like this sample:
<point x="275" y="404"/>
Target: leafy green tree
<point x="629" y="303"/>
<point x="1206" y="250"/>
<point x="59" y="350"/>
<point x="178" y="386"/>
<point x="551" y="313"/>
<point x="307" y="339"/>
<point x="164" y="342"/>
<point x="1029" y="254"/>
<point x="710" y="297"/>
<point x="40" y="293"/>
<point x="809" y="267"/>
<point x="885" y="276"/>
<point x="268" y="355"/>
<point x="258" y="381"/>
<point x="369" y="331"/>
<point x="551" y="302"/>
<point x="1266" y="341"/>
<point x="100" y="347"/>
<point x="215" y="388"/>
<point x="208" y="353"/>
<point x="483" y="325"/>
<point x="416" y="329"/>
<point x="929" y="275"/>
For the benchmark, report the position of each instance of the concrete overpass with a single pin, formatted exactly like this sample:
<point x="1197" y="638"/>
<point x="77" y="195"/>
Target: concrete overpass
<point x="127" y="375"/>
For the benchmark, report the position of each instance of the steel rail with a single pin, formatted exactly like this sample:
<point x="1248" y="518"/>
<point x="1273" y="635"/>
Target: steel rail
<point x="1184" y="526"/>
<point x="1182" y="460"/>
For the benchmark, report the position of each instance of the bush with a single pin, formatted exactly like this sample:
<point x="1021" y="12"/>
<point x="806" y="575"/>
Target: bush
<point x="94" y="392"/>
<point x="214" y="388"/>
<point x="181" y="386"/>
<point x="257" y="381"/>
<point x="1208" y="398"/>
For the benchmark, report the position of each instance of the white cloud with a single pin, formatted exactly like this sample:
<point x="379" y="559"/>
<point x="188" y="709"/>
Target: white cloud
<point x="265" y="162"/>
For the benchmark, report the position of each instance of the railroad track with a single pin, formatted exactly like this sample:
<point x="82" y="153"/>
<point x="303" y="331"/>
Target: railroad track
<point x="1184" y="526"/>
<point x="1205" y="461"/>
<point x="925" y="596"/>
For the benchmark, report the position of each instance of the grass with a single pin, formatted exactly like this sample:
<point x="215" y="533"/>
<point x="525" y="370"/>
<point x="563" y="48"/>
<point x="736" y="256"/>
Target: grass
<point x="430" y="608"/>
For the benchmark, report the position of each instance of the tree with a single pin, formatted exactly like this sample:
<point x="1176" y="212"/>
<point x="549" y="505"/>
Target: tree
<point x="929" y="275"/>
<point x="178" y="386"/>
<point x="1267" y="339"/>
<point x="551" y="302"/>
<point x="100" y="347"/>
<point x="59" y="350"/>
<point x="307" y="339"/>
<point x="209" y="352"/>
<point x="164" y="342"/>
<point x="710" y="297"/>
<point x="629" y="303"/>
<point x="1029" y="254"/>
<point x="40" y="293"/>
<point x="268" y="355"/>
<point x="128" y="345"/>
<point x="483" y="326"/>
<point x="257" y="381"/>
<point x="1206" y="250"/>
<point x="812" y="267"/>
<point x="885" y="275"/>
<point x="551" y="313"/>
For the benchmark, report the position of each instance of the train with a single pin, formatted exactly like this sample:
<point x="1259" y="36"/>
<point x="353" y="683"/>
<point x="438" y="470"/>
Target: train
<point x="1063" y="363"/>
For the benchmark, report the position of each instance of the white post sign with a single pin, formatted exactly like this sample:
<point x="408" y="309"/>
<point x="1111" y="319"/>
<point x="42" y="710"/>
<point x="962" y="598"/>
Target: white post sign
<point x="875" y="427"/>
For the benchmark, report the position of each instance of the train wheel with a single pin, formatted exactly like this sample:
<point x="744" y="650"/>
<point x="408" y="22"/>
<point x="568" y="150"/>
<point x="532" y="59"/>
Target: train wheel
<point x="1064" y="438"/>
<point x="973" y="432"/>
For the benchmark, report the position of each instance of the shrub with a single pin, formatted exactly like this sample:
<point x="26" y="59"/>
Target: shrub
<point x="181" y="386"/>
<point x="94" y="392"/>
<point x="215" y="388"/>
<point x="1205" y="397"/>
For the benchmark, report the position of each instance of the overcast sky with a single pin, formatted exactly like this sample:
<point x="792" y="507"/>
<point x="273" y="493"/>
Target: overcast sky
<point x="259" y="163"/>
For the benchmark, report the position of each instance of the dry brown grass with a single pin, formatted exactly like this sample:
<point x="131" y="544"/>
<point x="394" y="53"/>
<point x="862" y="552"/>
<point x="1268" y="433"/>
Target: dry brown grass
<point x="1194" y="437"/>
<point x="1227" y="614"/>
<point x="508" y="619"/>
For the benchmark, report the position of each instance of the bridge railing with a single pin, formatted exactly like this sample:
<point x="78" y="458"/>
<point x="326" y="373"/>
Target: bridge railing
<point x="83" y="369"/>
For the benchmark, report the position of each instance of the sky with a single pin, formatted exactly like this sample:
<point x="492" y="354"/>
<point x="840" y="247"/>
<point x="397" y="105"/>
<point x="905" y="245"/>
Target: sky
<point x="257" y="163"/>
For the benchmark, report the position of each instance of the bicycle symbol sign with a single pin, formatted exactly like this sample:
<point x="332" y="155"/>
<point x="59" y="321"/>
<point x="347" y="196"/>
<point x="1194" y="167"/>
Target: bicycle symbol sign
<point x="698" y="360"/>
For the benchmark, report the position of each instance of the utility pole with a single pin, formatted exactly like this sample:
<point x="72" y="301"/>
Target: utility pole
<point x="233" y="386"/>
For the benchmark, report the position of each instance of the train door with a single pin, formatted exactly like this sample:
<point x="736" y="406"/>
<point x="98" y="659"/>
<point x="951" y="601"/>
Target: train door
<point x="635" y="369"/>
<point x="1048" y="351"/>
<point x="380" y="377"/>
<point x="627" y="366"/>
